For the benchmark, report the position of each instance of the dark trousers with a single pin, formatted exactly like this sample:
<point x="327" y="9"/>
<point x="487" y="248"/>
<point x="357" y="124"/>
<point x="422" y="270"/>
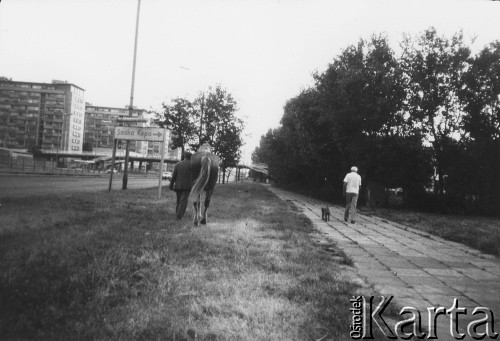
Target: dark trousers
<point x="350" y="206"/>
<point x="182" y="201"/>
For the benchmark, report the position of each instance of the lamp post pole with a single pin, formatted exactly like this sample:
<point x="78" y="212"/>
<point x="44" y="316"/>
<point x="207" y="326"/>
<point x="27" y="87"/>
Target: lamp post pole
<point x="201" y="117"/>
<point x="131" y="106"/>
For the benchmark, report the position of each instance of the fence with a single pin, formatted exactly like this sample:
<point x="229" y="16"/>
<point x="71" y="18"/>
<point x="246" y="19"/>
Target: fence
<point x="24" y="164"/>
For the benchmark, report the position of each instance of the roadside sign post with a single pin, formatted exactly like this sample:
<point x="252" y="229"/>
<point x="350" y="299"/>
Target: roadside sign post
<point x="112" y="165"/>
<point x="162" y="152"/>
<point x="140" y="134"/>
<point x="131" y="106"/>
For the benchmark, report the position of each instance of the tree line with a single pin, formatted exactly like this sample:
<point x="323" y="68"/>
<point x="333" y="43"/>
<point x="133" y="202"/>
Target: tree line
<point x="426" y="120"/>
<point x="209" y="117"/>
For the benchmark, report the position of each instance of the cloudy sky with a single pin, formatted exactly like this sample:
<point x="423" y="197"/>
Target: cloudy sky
<point x="262" y="51"/>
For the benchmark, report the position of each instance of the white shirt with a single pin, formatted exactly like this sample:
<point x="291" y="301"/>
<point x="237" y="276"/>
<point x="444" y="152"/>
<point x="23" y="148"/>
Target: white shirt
<point x="353" y="181"/>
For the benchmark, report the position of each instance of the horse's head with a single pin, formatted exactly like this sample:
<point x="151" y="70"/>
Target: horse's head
<point x="205" y="148"/>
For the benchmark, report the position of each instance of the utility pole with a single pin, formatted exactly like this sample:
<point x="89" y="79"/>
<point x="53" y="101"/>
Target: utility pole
<point x="201" y="116"/>
<point x="131" y="106"/>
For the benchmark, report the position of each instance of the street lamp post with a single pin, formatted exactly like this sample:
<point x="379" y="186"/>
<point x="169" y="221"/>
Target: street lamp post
<point x="201" y="117"/>
<point x="131" y="106"/>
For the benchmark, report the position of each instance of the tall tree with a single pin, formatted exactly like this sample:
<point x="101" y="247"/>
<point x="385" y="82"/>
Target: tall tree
<point x="436" y="67"/>
<point x="220" y="126"/>
<point x="178" y="116"/>
<point x="434" y="108"/>
<point x="273" y="152"/>
<point x="481" y="95"/>
<point x="362" y="97"/>
<point x="480" y="157"/>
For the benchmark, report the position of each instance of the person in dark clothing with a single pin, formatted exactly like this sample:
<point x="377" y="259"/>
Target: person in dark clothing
<point x="181" y="183"/>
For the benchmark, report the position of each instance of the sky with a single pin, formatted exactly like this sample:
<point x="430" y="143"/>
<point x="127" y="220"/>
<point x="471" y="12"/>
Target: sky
<point x="263" y="52"/>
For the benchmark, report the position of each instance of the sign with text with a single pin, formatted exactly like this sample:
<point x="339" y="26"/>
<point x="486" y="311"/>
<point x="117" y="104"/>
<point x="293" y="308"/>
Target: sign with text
<point x="140" y="134"/>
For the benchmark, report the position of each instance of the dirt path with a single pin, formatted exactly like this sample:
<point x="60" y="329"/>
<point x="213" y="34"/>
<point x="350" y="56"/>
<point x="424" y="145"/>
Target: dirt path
<point x="417" y="269"/>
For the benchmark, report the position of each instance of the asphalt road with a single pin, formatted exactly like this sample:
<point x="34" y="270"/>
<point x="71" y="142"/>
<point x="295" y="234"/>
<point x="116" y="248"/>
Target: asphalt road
<point x="23" y="185"/>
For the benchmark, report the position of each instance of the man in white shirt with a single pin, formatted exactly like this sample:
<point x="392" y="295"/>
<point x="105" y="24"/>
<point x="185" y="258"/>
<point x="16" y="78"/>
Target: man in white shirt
<point x="352" y="184"/>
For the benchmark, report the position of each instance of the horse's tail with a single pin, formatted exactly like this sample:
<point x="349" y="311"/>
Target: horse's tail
<point x="202" y="179"/>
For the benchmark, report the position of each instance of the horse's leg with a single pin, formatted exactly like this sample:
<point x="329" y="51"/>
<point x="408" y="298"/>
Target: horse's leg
<point x="197" y="205"/>
<point x="208" y="195"/>
<point x="204" y="215"/>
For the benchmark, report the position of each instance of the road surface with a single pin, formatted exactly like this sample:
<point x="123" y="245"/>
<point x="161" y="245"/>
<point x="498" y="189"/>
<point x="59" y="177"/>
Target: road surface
<point x="27" y="185"/>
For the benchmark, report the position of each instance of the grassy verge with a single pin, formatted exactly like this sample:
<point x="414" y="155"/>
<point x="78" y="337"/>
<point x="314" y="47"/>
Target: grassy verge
<point x="481" y="233"/>
<point x="118" y="266"/>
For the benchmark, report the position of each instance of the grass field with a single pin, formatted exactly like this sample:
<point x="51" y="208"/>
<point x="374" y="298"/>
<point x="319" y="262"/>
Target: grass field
<point x="118" y="266"/>
<point x="480" y="233"/>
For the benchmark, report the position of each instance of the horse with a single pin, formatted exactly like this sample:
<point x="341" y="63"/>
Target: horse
<point x="205" y="169"/>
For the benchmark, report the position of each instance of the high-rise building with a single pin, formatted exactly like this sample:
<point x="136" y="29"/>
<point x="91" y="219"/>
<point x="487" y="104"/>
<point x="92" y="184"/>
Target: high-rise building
<point x="49" y="116"/>
<point x="100" y="123"/>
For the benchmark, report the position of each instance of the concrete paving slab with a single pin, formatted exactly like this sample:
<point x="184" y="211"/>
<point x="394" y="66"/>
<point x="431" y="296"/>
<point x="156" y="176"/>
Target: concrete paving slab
<point x="458" y="264"/>
<point x="410" y="272"/>
<point x="356" y="252"/>
<point x="467" y="290"/>
<point x="426" y="262"/>
<point x="446" y="301"/>
<point x="380" y="250"/>
<point x="367" y="244"/>
<point x="434" y="289"/>
<point x="370" y="265"/>
<point x="396" y="291"/>
<point x="492" y="270"/>
<point x="483" y="263"/>
<point x="443" y="272"/>
<point x="408" y="253"/>
<point x="416" y="302"/>
<point x="492" y="283"/>
<point x="441" y="255"/>
<point x="381" y="277"/>
<point x="396" y="263"/>
<point x="420" y="280"/>
<point x="478" y="274"/>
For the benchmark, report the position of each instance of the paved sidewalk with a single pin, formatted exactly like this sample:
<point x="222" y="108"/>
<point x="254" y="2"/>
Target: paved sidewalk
<point x="417" y="269"/>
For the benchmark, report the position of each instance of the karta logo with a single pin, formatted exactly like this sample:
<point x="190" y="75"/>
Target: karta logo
<point x="365" y="317"/>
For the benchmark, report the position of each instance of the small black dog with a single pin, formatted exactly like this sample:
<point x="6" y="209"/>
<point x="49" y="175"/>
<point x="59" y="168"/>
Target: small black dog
<point x="325" y="213"/>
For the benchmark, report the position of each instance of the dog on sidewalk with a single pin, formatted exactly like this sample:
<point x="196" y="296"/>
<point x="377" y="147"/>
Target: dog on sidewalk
<point x="325" y="213"/>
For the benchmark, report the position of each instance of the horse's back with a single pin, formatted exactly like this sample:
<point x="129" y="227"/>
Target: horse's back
<point x="196" y="162"/>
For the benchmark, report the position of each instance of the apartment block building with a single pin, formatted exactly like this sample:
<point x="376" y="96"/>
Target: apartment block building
<point x="55" y="117"/>
<point x="47" y="115"/>
<point x="100" y="123"/>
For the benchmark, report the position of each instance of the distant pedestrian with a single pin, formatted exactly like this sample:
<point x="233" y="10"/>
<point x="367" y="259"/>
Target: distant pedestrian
<point x="352" y="184"/>
<point x="181" y="183"/>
